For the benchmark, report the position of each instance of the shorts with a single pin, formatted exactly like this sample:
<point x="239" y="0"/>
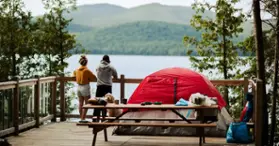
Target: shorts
<point x="83" y="90"/>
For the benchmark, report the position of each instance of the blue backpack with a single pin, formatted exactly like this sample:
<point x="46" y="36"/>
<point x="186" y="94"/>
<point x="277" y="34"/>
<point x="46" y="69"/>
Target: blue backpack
<point x="238" y="132"/>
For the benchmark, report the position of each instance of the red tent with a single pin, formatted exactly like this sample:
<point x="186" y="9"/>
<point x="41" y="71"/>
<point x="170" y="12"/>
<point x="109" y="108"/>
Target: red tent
<point x="170" y="84"/>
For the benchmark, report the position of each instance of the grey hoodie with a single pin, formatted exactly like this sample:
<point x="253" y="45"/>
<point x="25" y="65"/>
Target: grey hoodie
<point x="105" y="72"/>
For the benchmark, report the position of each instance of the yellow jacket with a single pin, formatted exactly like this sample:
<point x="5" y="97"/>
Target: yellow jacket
<point x="84" y="75"/>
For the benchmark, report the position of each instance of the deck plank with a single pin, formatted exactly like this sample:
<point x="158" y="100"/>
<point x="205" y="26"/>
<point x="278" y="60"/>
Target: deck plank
<point x="68" y="134"/>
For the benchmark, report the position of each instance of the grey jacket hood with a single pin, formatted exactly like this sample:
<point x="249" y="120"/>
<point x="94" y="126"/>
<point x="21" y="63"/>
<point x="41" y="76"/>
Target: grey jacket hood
<point x="104" y="65"/>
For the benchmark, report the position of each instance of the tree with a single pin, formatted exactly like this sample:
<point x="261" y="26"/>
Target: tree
<point x="57" y="41"/>
<point x="260" y="65"/>
<point x="216" y="46"/>
<point x="275" y="84"/>
<point x="26" y="42"/>
<point x="272" y="7"/>
<point x="14" y="36"/>
<point x="60" y="41"/>
<point x="270" y="44"/>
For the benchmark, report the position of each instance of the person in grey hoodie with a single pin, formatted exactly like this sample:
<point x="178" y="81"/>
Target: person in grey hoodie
<point x="105" y="72"/>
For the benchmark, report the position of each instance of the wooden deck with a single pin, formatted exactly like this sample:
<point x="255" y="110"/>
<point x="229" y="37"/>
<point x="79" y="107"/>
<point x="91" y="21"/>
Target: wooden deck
<point x="68" y="134"/>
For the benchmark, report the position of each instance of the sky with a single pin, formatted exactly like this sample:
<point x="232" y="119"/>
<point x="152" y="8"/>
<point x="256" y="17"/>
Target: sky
<point x="36" y="7"/>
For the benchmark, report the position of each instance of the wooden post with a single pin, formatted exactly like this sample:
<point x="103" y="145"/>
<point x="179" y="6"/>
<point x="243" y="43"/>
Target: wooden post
<point x="62" y="99"/>
<point x="246" y="84"/>
<point x="37" y="103"/>
<point x="16" y="108"/>
<point x="259" y="114"/>
<point x="53" y="100"/>
<point x="254" y="102"/>
<point x="122" y="88"/>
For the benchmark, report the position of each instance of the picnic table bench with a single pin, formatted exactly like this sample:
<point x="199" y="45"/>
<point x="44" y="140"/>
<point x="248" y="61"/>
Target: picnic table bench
<point x="110" y="121"/>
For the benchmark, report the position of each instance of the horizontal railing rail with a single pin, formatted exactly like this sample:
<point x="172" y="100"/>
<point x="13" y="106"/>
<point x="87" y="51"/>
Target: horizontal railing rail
<point x="137" y="81"/>
<point x="123" y="81"/>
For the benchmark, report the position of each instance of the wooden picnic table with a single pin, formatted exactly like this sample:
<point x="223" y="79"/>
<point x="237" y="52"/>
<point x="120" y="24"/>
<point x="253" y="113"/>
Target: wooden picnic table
<point x="138" y="106"/>
<point x="97" y="126"/>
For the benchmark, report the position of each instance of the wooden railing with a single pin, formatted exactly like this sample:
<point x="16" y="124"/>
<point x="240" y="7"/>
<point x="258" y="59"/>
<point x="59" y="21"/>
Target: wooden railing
<point x="43" y="108"/>
<point x="123" y="81"/>
<point x="26" y="104"/>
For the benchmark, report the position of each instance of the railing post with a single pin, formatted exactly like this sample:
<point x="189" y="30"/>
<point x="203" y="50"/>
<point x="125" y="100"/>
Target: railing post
<point x="246" y="84"/>
<point x="254" y="102"/>
<point x="259" y="114"/>
<point x="122" y="88"/>
<point x="37" y="102"/>
<point x="53" y="100"/>
<point x="16" y="107"/>
<point x="62" y="99"/>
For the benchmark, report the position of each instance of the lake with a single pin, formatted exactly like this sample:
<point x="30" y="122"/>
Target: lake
<point x="132" y="67"/>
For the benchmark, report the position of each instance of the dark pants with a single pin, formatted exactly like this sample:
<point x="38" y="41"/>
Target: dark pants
<point x="101" y="91"/>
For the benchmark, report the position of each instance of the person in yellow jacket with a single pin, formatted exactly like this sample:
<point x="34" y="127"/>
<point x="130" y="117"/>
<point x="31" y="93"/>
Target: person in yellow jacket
<point x="83" y="78"/>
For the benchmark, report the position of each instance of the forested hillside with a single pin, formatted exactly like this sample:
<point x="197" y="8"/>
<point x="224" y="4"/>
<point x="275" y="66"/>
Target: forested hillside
<point x="151" y="29"/>
<point x="148" y="38"/>
<point x="106" y="15"/>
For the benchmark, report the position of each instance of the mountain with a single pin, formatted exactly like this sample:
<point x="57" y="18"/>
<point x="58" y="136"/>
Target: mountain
<point x="89" y="15"/>
<point x="140" y="38"/>
<point x="77" y="28"/>
<point x="105" y="15"/>
<point x="151" y="29"/>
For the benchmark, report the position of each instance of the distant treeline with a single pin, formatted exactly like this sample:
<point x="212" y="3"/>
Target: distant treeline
<point x="139" y="38"/>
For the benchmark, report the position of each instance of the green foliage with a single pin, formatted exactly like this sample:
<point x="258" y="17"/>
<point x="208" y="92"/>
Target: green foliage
<point x="140" y="38"/>
<point x="148" y="38"/>
<point x="217" y="47"/>
<point x="216" y="38"/>
<point x="108" y="18"/>
<point x="105" y="17"/>
<point x="272" y="7"/>
<point x="57" y="39"/>
<point x="76" y="28"/>
<point x="14" y="37"/>
<point x="30" y="47"/>
<point x="248" y="45"/>
<point x="269" y="40"/>
<point x="270" y="43"/>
